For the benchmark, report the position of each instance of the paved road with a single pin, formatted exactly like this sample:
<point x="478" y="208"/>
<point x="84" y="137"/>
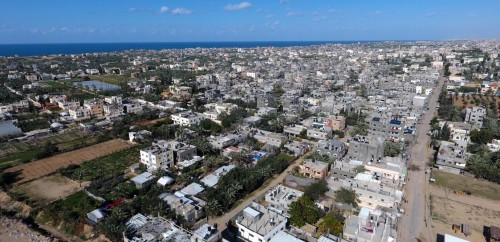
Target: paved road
<point x="413" y="226"/>
<point x="222" y="220"/>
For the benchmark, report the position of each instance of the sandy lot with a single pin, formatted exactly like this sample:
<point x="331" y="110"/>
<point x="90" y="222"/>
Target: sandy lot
<point x="446" y="212"/>
<point x="15" y="231"/>
<point x="50" y="188"/>
<point x="40" y="168"/>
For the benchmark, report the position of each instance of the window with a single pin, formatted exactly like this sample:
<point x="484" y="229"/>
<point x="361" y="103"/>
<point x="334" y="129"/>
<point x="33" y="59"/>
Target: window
<point x="251" y="235"/>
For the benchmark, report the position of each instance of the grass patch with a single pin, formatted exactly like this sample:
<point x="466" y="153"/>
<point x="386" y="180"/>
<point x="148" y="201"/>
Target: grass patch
<point x="111" y="79"/>
<point x="18" y="159"/>
<point x="71" y="211"/>
<point x="21" y="157"/>
<point x="477" y="187"/>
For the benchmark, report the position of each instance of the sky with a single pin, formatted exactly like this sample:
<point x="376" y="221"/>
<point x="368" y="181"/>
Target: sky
<point x="96" y="21"/>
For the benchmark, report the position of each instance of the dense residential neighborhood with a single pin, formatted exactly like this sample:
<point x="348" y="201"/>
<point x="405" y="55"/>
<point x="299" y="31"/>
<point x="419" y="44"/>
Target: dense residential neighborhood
<point x="376" y="141"/>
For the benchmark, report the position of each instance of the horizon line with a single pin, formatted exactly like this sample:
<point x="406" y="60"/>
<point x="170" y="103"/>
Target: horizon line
<point x="236" y="41"/>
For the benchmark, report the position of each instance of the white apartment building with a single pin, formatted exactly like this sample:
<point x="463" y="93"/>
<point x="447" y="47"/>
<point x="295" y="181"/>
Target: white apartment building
<point x="187" y="118"/>
<point x="155" y="157"/>
<point x="257" y="223"/>
<point x="79" y="113"/>
<point x="280" y="197"/>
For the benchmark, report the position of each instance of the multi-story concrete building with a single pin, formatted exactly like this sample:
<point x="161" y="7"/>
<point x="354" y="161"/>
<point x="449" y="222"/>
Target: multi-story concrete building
<point x="460" y="132"/>
<point x="187" y="118"/>
<point x="96" y="108"/>
<point x="452" y="157"/>
<point x="257" y="223"/>
<point x="475" y="116"/>
<point x="365" y="148"/>
<point x="335" y="122"/>
<point x="79" y="113"/>
<point x="314" y="169"/>
<point x="206" y="233"/>
<point x="164" y="154"/>
<point x="387" y="128"/>
<point x="280" y="197"/>
<point x="331" y="148"/>
<point x="191" y="209"/>
<point x="267" y="137"/>
<point x="371" y="226"/>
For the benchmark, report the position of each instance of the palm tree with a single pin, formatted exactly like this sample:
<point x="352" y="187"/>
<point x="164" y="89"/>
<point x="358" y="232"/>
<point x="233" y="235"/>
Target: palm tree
<point x="264" y="171"/>
<point x="209" y="161"/>
<point x="213" y="208"/>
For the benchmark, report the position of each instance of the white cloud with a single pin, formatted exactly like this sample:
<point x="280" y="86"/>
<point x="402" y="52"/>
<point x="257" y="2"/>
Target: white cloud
<point x="181" y="11"/>
<point x="433" y="14"/>
<point x="376" y="13"/>
<point x="293" y="13"/>
<point x="163" y="9"/>
<point x="284" y="1"/>
<point x="132" y="9"/>
<point x="63" y="29"/>
<point x="238" y="6"/>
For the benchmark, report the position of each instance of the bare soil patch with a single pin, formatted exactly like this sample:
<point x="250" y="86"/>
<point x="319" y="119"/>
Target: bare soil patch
<point x="446" y="212"/>
<point x="40" y="168"/>
<point x="50" y="188"/>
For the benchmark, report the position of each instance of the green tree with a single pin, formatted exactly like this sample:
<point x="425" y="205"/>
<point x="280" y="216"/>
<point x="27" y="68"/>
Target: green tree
<point x="317" y="189"/>
<point x="359" y="169"/>
<point x="363" y="92"/>
<point x="347" y="196"/>
<point x="332" y="223"/>
<point x="392" y="149"/>
<point x="304" y="211"/>
<point x="482" y="136"/>
<point x="303" y="134"/>
<point x="359" y="129"/>
<point x="213" y="208"/>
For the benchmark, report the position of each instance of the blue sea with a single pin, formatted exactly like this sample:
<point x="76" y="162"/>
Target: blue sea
<point x="82" y="48"/>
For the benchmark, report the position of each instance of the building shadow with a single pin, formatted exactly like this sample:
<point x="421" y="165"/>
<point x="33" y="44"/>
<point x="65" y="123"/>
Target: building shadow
<point x="439" y="238"/>
<point x="486" y="233"/>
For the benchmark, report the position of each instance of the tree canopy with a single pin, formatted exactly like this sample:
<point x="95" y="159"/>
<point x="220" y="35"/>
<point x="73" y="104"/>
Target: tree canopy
<point x="347" y="196"/>
<point x="304" y="211"/>
<point x="392" y="149"/>
<point x="317" y="189"/>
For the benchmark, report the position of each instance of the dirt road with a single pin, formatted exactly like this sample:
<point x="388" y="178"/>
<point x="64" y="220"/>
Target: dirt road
<point x="222" y="220"/>
<point x="414" y="225"/>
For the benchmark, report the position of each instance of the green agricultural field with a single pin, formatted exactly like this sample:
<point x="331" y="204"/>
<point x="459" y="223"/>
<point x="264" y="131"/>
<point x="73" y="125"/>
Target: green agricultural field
<point x="111" y="79"/>
<point x="105" y="166"/>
